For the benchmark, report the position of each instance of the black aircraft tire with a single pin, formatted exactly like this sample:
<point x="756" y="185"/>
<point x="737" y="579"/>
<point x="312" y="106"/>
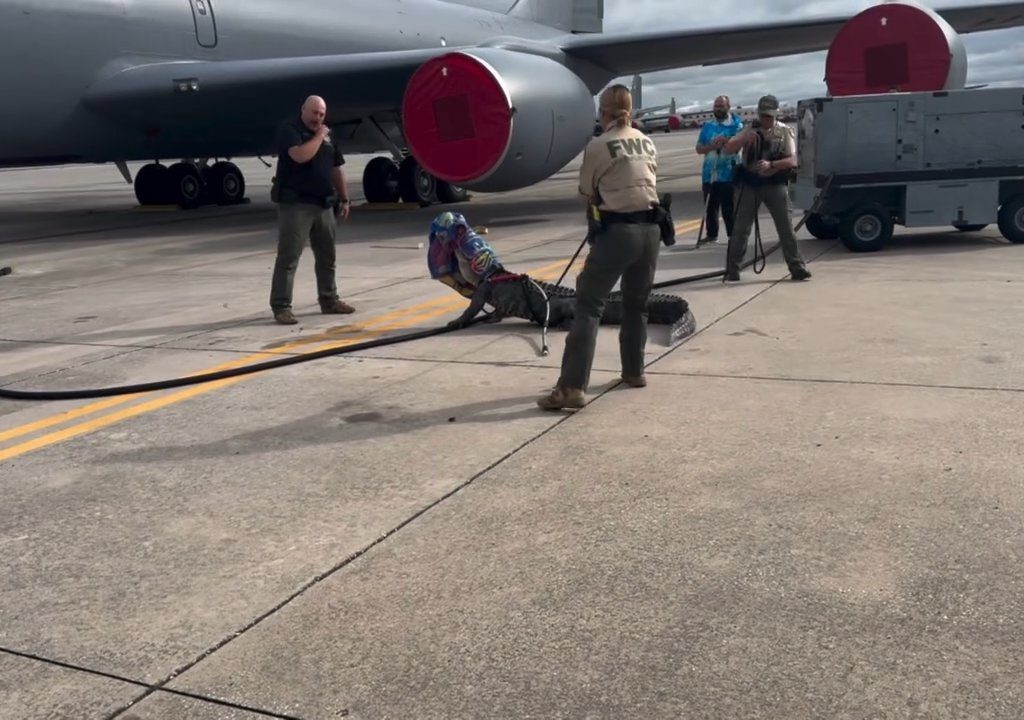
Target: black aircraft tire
<point x="1011" y="219"/>
<point x="449" y="193"/>
<point x="185" y="185"/>
<point x="415" y="184"/>
<point x="151" y="184"/>
<point x="225" y="183"/>
<point x="380" y="181"/>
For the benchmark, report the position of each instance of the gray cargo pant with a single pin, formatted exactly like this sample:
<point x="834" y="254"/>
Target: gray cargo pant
<point x="298" y="222"/>
<point x="622" y="251"/>
<point x="748" y="201"/>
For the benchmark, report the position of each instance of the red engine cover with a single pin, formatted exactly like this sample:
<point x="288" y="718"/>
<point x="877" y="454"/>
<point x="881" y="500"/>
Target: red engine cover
<point x="457" y="117"/>
<point x="891" y="47"/>
<point x="674" y="123"/>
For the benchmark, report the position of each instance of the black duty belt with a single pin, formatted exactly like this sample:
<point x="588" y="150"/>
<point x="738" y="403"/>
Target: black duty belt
<point x="633" y="218"/>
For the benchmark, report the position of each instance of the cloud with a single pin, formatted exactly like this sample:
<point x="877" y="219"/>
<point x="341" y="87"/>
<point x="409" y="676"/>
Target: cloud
<point x="994" y="58"/>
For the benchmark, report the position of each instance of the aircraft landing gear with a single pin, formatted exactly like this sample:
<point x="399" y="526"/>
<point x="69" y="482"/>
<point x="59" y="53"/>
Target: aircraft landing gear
<point x="151" y="183"/>
<point x="189" y="186"/>
<point x="384" y="181"/>
<point x="380" y="181"/>
<point x="415" y="184"/>
<point x="185" y="185"/>
<point x="225" y="184"/>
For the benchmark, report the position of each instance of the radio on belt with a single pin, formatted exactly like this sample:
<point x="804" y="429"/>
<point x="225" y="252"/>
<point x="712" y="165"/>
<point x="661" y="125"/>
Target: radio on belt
<point x="900" y="140"/>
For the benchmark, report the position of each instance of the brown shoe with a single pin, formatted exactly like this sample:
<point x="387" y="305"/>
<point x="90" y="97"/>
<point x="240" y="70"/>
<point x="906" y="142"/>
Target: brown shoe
<point x="560" y="398"/>
<point x="637" y="382"/>
<point x="285" y="316"/>
<point x="336" y="307"/>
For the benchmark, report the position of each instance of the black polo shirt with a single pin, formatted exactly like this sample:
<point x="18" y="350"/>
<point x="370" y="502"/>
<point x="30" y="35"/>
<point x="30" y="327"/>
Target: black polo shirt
<point x="308" y="182"/>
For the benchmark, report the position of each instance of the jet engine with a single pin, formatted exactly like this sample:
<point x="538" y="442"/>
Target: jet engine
<point x="897" y="46"/>
<point x="491" y="119"/>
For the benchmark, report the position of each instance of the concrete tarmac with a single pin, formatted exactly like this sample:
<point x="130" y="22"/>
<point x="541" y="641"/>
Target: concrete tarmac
<point x="814" y="509"/>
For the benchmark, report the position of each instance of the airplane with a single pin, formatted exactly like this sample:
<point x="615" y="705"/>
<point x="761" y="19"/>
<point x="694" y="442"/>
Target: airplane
<point x="639" y="111"/>
<point x="642" y="116"/>
<point x="483" y="95"/>
<point x="653" y="118"/>
<point x="657" y="117"/>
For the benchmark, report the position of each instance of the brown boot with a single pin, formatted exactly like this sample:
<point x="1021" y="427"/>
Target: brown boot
<point x="571" y="398"/>
<point x="336" y="307"/>
<point x="637" y="382"/>
<point x="285" y="316"/>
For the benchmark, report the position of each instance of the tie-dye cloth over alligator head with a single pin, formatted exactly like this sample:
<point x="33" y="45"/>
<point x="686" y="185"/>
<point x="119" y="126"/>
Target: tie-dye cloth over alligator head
<point x="451" y="236"/>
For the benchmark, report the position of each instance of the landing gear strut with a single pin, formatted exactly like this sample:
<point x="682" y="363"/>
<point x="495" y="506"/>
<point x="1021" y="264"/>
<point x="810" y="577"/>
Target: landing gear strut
<point x="189" y="186"/>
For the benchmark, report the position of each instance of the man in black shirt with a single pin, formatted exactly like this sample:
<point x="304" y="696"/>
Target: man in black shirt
<point x="311" y="191"/>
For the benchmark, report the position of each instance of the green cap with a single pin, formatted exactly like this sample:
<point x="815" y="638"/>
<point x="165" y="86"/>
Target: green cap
<point x="768" y="105"/>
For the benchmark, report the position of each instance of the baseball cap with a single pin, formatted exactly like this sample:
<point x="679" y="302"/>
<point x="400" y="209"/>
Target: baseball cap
<point x="768" y="105"/>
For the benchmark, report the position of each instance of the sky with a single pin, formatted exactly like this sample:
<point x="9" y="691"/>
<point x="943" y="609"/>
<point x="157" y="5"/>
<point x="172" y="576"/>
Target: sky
<point x="996" y="58"/>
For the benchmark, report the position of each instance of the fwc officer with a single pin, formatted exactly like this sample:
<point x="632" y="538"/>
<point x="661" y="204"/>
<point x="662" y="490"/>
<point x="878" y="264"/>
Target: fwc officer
<point x="769" y="156"/>
<point x="618" y="177"/>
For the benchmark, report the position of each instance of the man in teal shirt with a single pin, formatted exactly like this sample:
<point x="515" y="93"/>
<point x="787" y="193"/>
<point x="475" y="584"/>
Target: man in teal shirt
<point x="716" y="176"/>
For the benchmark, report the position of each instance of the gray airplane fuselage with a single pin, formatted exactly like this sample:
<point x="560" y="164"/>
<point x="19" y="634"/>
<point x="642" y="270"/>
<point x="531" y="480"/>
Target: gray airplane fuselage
<point x="53" y="51"/>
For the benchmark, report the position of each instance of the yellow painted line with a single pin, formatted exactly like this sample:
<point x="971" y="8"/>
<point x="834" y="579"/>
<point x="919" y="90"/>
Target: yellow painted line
<point x="687" y="226"/>
<point x="358" y="332"/>
<point x="63" y="417"/>
<point x="175" y="397"/>
<point x="447" y="303"/>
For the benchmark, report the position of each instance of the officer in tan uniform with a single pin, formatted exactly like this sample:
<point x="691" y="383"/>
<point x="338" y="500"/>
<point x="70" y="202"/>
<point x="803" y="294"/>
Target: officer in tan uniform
<point x="618" y="179"/>
<point x="769" y="155"/>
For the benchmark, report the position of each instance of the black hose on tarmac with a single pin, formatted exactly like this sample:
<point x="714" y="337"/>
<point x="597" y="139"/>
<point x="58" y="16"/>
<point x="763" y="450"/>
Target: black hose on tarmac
<point x="712" y="274"/>
<point x="221" y="374"/>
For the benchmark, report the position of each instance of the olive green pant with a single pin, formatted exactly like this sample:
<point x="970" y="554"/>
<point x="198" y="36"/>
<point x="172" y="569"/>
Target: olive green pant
<point x="748" y="201"/>
<point x="629" y="252"/>
<point x="297" y="223"/>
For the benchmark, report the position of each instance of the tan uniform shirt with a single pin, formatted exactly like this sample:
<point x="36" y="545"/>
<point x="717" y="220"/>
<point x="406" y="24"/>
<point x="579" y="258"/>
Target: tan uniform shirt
<point x="781" y="143"/>
<point x="620" y="166"/>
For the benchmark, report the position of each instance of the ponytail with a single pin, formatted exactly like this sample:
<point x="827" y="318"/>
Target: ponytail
<point x="618" y="103"/>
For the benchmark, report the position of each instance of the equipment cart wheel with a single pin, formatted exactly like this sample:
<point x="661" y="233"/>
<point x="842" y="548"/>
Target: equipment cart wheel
<point x="866" y="228"/>
<point x="821" y="228"/>
<point x="1011" y="219"/>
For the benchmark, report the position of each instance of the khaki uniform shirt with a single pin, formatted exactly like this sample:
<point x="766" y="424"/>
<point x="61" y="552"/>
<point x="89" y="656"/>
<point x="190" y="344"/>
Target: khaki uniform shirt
<point x="620" y="167"/>
<point x="780" y="144"/>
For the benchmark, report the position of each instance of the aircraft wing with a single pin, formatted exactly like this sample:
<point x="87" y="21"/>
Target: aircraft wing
<point x="158" y="94"/>
<point x="641" y="52"/>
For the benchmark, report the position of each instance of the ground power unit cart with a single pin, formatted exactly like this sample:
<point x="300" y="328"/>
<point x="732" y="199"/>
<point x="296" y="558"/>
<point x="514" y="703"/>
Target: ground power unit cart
<point x="917" y="159"/>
